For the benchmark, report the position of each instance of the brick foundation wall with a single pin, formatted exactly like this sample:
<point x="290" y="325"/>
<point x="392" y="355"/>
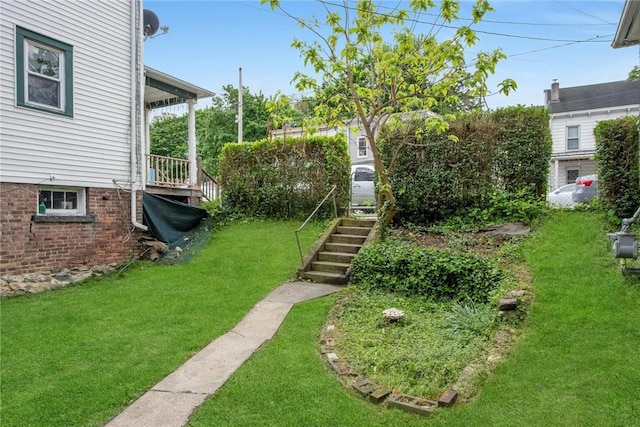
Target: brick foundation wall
<point x="32" y="244"/>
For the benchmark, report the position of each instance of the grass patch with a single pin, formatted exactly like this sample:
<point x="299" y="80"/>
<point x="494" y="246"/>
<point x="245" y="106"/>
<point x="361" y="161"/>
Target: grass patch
<point x="575" y="365"/>
<point x="286" y="383"/>
<point x="421" y="354"/>
<point x="79" y="355"/>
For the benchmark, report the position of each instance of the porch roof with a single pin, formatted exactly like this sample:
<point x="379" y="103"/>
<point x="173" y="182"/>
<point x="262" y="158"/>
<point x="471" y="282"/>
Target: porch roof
<point x="628" y="32"/>
<point x="163" y="90"/>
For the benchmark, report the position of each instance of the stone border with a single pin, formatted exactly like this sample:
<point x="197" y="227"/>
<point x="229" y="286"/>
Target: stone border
<point x="33" y="283"/>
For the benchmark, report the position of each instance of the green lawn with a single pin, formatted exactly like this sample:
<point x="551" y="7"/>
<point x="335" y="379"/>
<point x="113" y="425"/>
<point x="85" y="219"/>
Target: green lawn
<point x="78" y="356"/>
<point x="578" y="363"/>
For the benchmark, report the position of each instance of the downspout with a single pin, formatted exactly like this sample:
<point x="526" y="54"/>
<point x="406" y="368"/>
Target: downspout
<point x="135" y="82"/>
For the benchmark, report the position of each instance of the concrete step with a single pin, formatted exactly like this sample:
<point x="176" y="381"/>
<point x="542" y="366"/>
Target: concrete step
<point x="342" y="247"/>
<point x="326" y="277"/>
<point x="330" y="266"/>
<point x="353" y="231"/>
<point x="351" y="222"/>
<point x="345" y="257"/>
<point x="347" y="238"/>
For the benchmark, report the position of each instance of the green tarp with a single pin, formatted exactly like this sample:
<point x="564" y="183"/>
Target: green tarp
<point x="170" y="220"/>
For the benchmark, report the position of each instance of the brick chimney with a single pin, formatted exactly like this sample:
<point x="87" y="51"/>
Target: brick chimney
<point x="555" y="91"/>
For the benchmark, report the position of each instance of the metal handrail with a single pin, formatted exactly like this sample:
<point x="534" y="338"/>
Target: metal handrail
<point x="335" y="212"/>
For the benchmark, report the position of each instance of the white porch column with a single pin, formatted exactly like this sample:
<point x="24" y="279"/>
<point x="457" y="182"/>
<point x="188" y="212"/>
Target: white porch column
<point x="191" y="143"/>
<point x="146" y="146"/>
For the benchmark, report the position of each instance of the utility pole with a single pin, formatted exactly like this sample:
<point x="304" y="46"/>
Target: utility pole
<point x="240" y="90"/>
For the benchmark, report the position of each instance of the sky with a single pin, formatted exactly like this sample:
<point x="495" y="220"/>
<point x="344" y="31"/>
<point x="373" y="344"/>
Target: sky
<point x="569" y="41"/>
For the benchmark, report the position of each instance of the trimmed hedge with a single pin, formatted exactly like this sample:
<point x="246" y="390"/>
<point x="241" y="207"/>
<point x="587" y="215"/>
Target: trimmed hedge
<point x="284" y="178"/>
<point x="440" y="275"/>
<point x="617" y="153"/>
<point x="434" y="177"/>
<point x="524" y="151"/>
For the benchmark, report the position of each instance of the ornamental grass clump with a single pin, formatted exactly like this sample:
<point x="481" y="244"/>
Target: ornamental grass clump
<point x="439" y="275"/>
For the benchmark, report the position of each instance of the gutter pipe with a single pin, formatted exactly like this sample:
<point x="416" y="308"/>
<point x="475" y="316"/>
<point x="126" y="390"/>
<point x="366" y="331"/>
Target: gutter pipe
<point x="135" y="81"/>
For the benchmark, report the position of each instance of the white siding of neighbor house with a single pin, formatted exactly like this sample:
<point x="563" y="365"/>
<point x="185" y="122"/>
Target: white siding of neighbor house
<point x="582" y="158"/>
<point x="587" y="120"/>
<point x="90" y="149"/>
<point x="354" y="133"/>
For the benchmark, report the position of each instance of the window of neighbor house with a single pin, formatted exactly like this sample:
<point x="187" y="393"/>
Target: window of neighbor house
<point x="362" y="147"/>
<point x="573" y="137"/>
<point x="43" y="73"/>
<point x="572" y="175"/>
<point x="61" y="201"/>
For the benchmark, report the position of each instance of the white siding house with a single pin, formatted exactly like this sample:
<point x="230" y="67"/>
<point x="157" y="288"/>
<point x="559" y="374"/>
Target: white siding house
<point x="73" y="145"/>
<point x="575" y="112"/>
<point x="358" y="143"/>
<point x="85" y="142"/>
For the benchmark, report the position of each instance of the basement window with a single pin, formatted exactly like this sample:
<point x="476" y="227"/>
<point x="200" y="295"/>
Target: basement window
<point x="61" y="201"/>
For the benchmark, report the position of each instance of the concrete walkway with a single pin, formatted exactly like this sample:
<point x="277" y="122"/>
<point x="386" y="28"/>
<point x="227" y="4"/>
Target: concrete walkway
<point x="171" y="402"/>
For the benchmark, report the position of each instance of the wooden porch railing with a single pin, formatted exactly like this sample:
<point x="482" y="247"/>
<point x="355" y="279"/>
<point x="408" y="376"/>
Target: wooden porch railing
<point x="174" y="173"/>
<point x="167" y="171"/>
<point x="208" y="184"/>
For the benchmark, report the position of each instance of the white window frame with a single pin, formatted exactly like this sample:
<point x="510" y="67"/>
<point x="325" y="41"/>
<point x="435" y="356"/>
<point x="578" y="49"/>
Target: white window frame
<point x="81" y="197"/>
<point x="570" y="138"/>
<point x="363" y="146"/>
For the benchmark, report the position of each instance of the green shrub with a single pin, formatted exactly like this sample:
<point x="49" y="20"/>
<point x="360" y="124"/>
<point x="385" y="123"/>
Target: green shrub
<point x="617" y="152"/>
<point x="440" y="275"/>
<point x="435" y="176"/>
<point x="524" y="151"/>
<point x="284" y="178"/>
<point x="508" y="207"/>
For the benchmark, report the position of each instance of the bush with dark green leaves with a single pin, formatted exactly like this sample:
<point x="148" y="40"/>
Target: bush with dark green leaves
<point x="440" y="275"/>
<point x="508" y="207"/>
<point x="284" y="178"/>
<point x="617" y="152"/>
<point x="435" y="177"/>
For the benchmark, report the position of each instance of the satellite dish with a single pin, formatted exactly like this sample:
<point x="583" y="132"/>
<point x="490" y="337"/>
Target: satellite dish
<point x="151" y="23"/>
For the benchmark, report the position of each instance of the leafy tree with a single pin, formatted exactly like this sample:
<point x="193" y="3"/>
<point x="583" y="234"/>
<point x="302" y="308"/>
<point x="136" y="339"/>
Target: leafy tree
<point x="282" y="112"/>
<point x="374" y="80"/>
<point x="634" y="74"/>
<point x="215" y="126"/>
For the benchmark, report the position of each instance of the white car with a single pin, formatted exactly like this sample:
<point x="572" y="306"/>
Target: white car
<point x="363" y="193"/>
<point x="561" y="197"/>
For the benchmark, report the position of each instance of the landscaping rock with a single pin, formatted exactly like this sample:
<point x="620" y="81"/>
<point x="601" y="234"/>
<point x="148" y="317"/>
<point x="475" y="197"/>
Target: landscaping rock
<point x="417" y="405"/>
<point x="507" y="304"/>
<point x="364" y="386"/>
<point x="45" y="281"/>
<point x="518" y="293"/>
<point x="379" y="395"/>
<point x="448" y="398"/>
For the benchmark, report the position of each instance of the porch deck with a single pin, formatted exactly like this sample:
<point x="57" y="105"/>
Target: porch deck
<point x="170" y="177"/>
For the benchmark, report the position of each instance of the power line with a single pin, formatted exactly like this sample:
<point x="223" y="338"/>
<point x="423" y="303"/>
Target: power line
<point x="585" y="13"/>
<point x="435" y="24"/>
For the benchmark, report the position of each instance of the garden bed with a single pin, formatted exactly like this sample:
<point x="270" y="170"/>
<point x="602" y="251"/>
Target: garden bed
<point x="437" y="347"/>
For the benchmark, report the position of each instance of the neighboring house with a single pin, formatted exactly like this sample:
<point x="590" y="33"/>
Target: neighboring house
<point x="575" y="111"/>
<point x="73" y="140"/>
<point x="358" y="143"/>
